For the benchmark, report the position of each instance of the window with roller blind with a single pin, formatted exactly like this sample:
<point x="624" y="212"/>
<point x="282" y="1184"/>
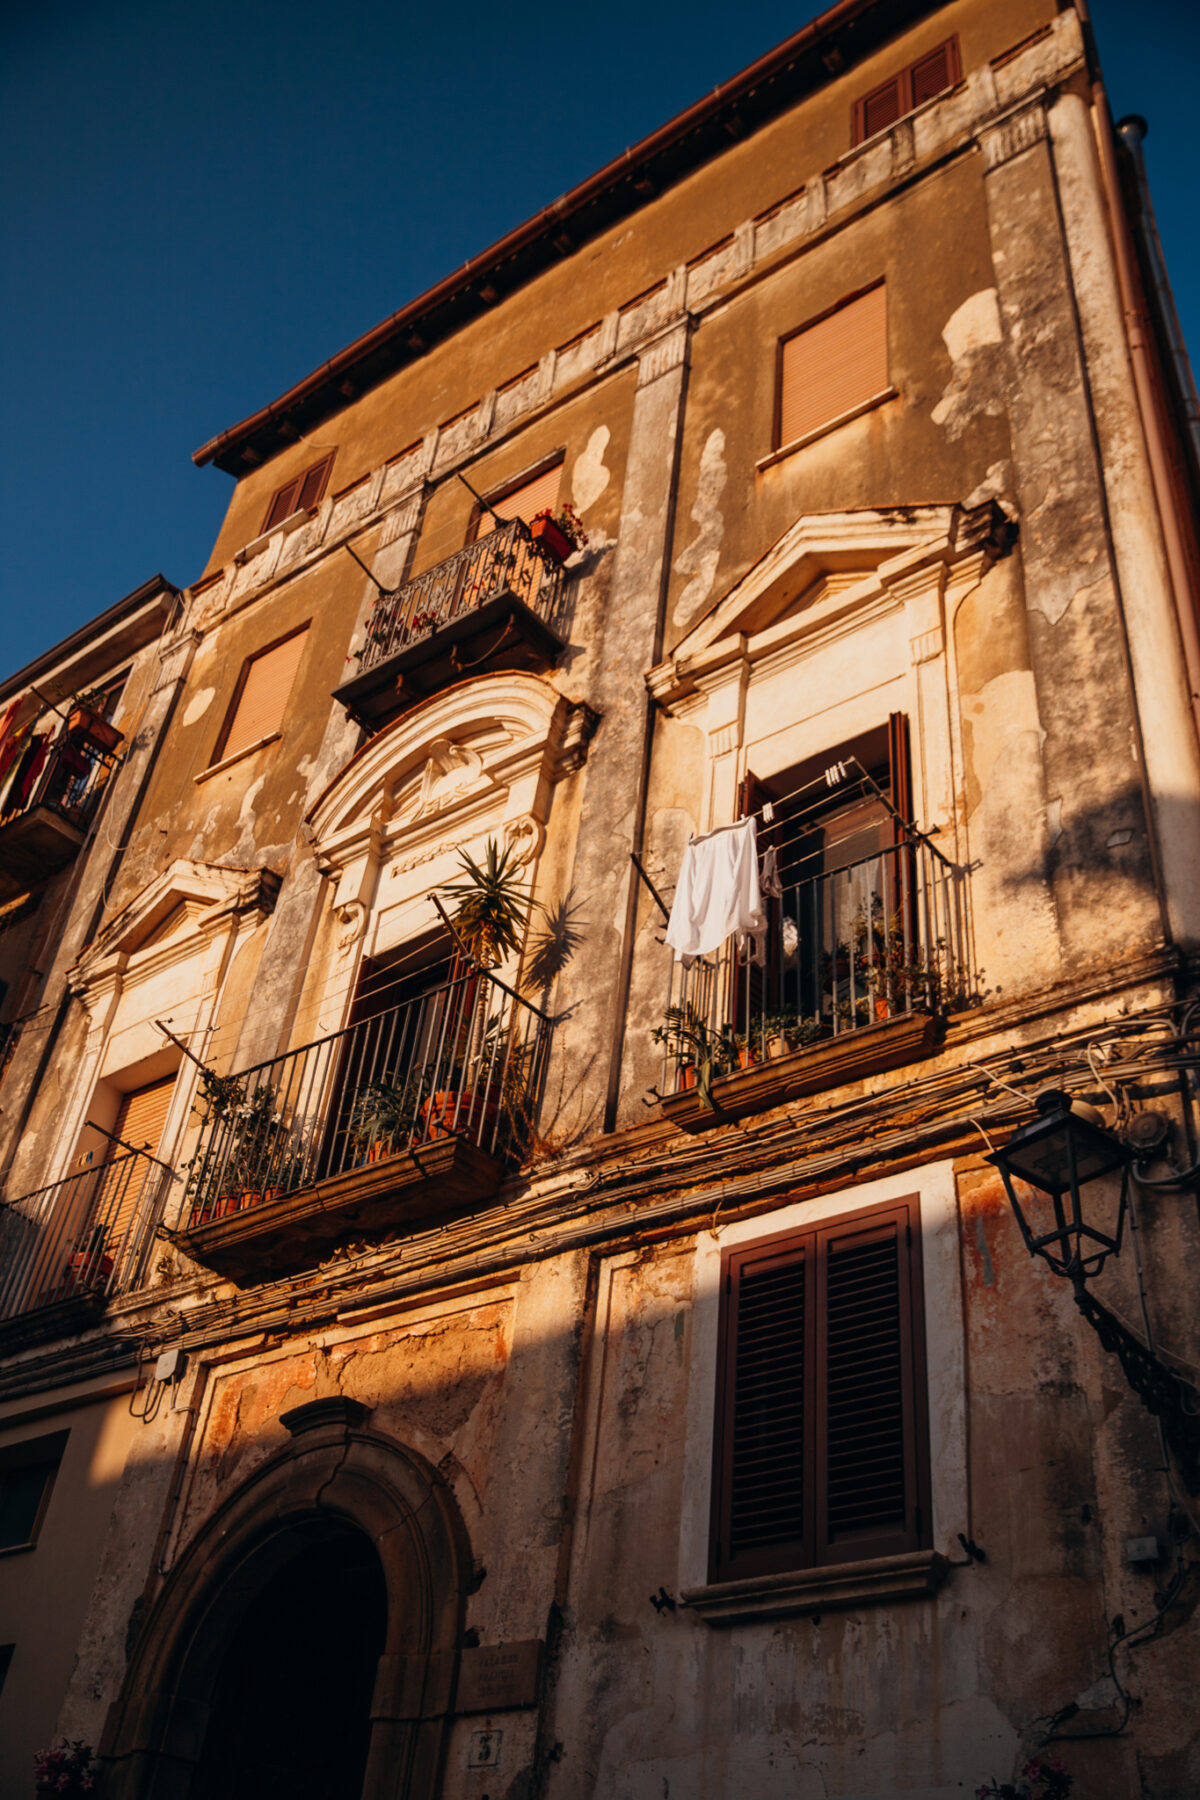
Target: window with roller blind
<point x="922" y="80"/>
<point x="822" y="1443"/>
<point x="299" y="494"/>
<point x="536" y="494"/>
<point x="262" y="696"/>
<point x="834" y="368"/>
<point x="125" y="1182"/>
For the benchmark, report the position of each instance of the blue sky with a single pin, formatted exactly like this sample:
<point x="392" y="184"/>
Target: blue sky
<point x="203" y="200"/>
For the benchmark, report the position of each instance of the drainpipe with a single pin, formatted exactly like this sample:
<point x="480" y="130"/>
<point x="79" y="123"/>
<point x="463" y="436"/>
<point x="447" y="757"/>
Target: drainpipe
<point x="1132" y="131"/>
<point x="1143" y="379"/>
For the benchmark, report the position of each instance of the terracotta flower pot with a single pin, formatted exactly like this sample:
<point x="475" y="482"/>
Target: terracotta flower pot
<point x="452" y="1111"/>
<point x="89" y="725"/>
<point x="552" y="539"/>
<point x="746" y="1058"/>
<point x="687" y="1075"/>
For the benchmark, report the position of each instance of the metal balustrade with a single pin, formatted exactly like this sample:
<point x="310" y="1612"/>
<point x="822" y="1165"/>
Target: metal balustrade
<point x="90" y="1234"/>
<point x="505" y="562"/>
<point x="66" y="775"/>
<point x="464" y="1060"/>
<point x="842" y="951"/>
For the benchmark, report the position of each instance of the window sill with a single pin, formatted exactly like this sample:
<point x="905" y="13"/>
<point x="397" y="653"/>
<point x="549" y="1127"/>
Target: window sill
<point x="284" y="528"/>
<point x="913" y="1576"/>
<point x="810" y="437"/>
<point x="227" y="762"/>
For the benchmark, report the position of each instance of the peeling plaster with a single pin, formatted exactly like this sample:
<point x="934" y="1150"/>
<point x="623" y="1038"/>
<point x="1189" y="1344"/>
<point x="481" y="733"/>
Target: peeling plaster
<point x="969" y="333"/>
<point x="198" y="705"/>
<point x="589" y="477"/>
<point x="997" y="484"/>
<point x="700" y="558"/>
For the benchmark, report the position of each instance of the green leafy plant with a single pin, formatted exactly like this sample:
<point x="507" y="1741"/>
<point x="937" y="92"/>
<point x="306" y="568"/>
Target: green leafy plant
<point x="689" y="1038"/>
<point x="789" y="1030"/>
<point x="383" y="1113"/>
<point x="491" y="906"/>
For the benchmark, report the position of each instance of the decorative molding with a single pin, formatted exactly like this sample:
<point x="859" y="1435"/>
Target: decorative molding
<point x="928" y="646"/>
<point x="319" y="1415"/>
<point x="885" y="1579"/>
<point x="1018" y="131"/>
<point x="666" y="353"/>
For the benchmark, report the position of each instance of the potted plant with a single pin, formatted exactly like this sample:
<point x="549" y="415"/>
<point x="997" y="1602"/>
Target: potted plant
<point x="696" y="1046"/>
<point x="784" y="1032"/>
<point x="381" y="1117"/>
<point x="491" y="906"/>
<point x="86" y="720"/>
<point x="559" y="533"/>
<point x="454" y="1109"/>
<point x="70" y="1768"/>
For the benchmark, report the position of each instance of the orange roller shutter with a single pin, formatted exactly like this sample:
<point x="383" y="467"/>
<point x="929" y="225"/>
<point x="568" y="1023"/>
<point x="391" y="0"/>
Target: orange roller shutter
<point x="141" y="1122"/>
<point x="265" y="689"/>
<point x="524" y="502"/>
<point x="834" y="365"/>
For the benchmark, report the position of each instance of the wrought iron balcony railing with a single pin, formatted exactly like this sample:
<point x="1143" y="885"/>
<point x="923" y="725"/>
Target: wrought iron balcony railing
<point x="87" y="1236"/>
<point x="47" y="797"/>
<point x="882" y="939"/>
<point x="496" y="603"/>
<point x="404" y="1096"/>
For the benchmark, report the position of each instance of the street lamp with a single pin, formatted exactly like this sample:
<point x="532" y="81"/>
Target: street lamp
<point x="1056" y="1155"/>
<point x="1065" y="1149"/>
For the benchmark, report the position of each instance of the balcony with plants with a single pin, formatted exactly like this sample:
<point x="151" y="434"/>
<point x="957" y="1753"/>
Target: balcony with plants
<point x="53" y="772"/>
<point x="407" y="1117"/>
<point x="68" y="1249"/>
<point x="853" y="972"/>
<point x="496" y="604"/>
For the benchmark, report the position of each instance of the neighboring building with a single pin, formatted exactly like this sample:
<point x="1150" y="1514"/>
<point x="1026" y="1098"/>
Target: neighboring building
<point x="565" y="1371"/>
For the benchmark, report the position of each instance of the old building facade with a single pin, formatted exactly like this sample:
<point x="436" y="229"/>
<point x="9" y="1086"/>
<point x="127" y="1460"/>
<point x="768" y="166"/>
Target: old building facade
<point x="540" y="1364"/>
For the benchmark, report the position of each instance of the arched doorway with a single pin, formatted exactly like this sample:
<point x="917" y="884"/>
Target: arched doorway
<point x="306" y="1644"/>
<point x="291" y="1704"/>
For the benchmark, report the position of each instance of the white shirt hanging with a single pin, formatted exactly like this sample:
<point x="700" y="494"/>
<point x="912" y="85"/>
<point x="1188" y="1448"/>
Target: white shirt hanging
<point x="718" y="892"/>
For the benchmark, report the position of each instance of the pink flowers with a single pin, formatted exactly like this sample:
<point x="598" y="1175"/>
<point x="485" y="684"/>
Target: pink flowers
<point x="68" y="1769"/>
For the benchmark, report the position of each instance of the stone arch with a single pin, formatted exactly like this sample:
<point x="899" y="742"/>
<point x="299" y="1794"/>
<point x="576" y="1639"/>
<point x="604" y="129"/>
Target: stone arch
<point x="335" y="1469"/>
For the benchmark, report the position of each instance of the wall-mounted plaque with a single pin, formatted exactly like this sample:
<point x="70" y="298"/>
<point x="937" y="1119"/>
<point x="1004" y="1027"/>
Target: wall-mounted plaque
<point x="497" y="1677"/>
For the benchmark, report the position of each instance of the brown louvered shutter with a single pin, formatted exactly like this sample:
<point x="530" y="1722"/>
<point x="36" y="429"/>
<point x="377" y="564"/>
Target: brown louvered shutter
<point x="283" y="505"/>
<point x="867" y="1433"/>
<point x="141" y="1121"/>
<point x="931" y="74"/>
<point x="821" y="1452"/>
<point x="266" y="685"/>
<point x="535" y="496"/>
<point x="833" y="366"/>
<point x="312" y="485"/>
<point x="880" y="109"/>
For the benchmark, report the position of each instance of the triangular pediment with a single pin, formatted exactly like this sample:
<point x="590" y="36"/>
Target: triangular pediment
<point x="174" y="905"/>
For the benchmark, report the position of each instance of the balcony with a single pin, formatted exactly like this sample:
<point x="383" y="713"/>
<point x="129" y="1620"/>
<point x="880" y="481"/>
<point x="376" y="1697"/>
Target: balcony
<point x="67" y="1249"/>
<point x="859" y="966"/>
<point x="497" y="604"/>
<point x="47" y="799"/>
<point x="406" y="1118"/>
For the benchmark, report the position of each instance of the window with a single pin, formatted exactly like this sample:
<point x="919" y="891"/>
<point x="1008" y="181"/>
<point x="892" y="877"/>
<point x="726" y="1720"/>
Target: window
<point x="821" y="1451"/>
<point x="125" y="1182"/>
<point x="262" y="696"/>
<point x="6" y="1656"/>
<point x="929" y="75"/>
<point x="299" y="494"/>
<point x="521" y="502"/>
<point x="833" y="368"/>
<point x="27" y="1474"/>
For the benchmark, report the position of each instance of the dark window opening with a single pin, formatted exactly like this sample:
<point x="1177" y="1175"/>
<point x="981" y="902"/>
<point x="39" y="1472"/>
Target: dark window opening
<point x="6" y="1656"/>
<point x="821" y="1452"/>
<point x="27" y="1473"/>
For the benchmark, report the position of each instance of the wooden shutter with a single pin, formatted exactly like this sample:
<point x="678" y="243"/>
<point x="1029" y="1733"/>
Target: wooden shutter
<point x="522" y="502"/>
<point x="312" y="485"/>
<point x="821" y="1452"/>
<point x="930" y="75"/>
<point x="141" y="1121"/>
<point x="262" y="699"/>
<point x="867" y="1427"/>
<point x="833" y="366"/>
<point x="299" y="494"/>
<point x="934" y="73"/>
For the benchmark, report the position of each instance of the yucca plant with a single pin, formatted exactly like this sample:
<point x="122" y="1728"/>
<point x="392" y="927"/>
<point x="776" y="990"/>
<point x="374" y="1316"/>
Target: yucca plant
<point x="491" y="907"/>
